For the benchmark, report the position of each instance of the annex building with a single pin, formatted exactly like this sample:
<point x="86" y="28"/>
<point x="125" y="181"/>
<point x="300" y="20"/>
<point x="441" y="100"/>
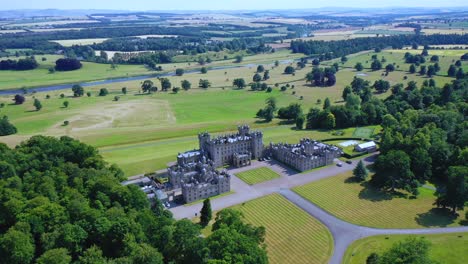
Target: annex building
<point x="306" y="155"/>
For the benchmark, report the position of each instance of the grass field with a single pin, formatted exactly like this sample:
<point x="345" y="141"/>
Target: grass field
<point x="446" y="57"/>
<point x="257" y="175"/>
<point x="445" y="248"/>
<point x="96" y="71"/>
<point x="364" y="132"/>
<point x="292" y="235"/>
<point x="363" y="205"/>
<point x="142" y="133"/>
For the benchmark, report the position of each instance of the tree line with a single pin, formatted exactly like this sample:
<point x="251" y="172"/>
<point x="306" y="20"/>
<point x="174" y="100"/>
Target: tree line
<point x="28" y="63"/>
<point x="335" y="49"/>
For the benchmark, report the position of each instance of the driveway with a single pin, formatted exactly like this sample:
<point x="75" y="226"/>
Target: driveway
<point x="344" y="233"/>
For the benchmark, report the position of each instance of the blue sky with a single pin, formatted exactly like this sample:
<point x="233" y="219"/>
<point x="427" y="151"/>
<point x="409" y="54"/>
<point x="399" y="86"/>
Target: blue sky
<point x="216" y="4"/>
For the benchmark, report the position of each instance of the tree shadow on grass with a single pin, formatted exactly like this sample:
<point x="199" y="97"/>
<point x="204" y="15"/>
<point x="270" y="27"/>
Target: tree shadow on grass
<point x="374" y="194"/>
<point x="436" y="217"/>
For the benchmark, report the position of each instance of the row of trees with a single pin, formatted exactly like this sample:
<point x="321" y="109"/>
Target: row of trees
<point x="327" y="50"/>
<point x="61" y="203"/>
<point x="28" y="63"/>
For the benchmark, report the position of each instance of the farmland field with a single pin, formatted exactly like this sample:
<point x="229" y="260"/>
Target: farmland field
<point x="257" y="175"/>
<point x="364" y="205"/>
<point x="292" y="235"/>
<point x="445" y="248"/>
<point x="71" y="42"/>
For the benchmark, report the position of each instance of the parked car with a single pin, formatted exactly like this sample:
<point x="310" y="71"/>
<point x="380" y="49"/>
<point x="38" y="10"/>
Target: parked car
<point x="339" y="164"/>
<point x="349" y="162"/>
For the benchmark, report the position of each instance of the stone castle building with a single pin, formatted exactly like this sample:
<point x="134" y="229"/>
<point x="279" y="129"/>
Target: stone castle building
<point x="197" y="177"/>
<point x="233" y="149"/>
<point x="306" y="155"/>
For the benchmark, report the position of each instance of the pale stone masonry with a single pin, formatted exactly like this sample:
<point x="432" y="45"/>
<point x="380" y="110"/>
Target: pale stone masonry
<point x="197" y="177"/>
<point x="306" y="155"/>
<point x="228" y="149"/>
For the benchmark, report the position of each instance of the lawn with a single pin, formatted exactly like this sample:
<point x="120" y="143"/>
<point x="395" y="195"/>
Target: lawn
<point x="364" y="205"/>
<point x="292" y="235"/>
<point x="445" y="248"/>
<point x="364" y="132"/>
<point x="257" y="175"/>
<point x="396" y="56"/>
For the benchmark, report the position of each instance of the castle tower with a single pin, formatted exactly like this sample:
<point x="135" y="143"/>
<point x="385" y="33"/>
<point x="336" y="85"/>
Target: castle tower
<point x="243" y="130"/>
<point x="257" y="144"/>
<point x="203" y="138"/>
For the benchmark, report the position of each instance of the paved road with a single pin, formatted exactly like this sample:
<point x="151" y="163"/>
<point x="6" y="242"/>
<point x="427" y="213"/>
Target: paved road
<point x="344" y="233"/>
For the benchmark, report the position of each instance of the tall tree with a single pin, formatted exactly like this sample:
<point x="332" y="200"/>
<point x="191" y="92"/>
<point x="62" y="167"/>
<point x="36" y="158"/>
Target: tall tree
<point x="77" y="90"/>
<point x="186" y="85"/>
<point x="6" y="128"/>
<point x="147" y="85"/>
<point x="393" y="171"/>
<point x="409" y="251"/>
<point x="326" y="103"/>
<point x="206" y="213"/>
<point x="360" y="172"/>
<point x="37" y="104"/>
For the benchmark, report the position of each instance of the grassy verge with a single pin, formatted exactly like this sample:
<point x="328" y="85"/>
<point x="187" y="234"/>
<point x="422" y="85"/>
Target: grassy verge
<point x="257" y="175"/>
<point x="446" y="248"/>
<point x="364" y="205"/>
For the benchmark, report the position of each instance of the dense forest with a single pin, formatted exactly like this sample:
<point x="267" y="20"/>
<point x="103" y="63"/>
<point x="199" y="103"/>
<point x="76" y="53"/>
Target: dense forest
<point x="424" y="132"/>
<point x="335" y="49"/>
<point x="61" y="203"/>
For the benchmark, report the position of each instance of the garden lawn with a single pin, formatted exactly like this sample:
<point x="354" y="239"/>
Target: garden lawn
<point x="445" y="248"/>
<point x="257" y="175"/>
<point x="363" y="205"/>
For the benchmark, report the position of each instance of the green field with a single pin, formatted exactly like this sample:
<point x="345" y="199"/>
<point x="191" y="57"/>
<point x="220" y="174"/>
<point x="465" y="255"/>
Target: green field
<point x="364" y="205"/>
<point x="142" y="133"/>
<point x="364" y="132"/>
<point x="257" y="175"/>
<point x="292" y="235"/>
<point x="446" y="57"/>
<point x="445" y="248"/>
<point x="96" y="71"/>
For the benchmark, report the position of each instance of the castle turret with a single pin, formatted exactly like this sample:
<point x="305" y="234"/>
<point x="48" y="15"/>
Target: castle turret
<point x="257" y="144"/>
<point x="203" y="138"/>
<point x="243" y="130"/>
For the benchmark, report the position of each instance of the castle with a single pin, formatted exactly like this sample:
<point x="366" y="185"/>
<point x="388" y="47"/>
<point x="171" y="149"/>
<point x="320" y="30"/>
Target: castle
<point x="196" y="172"/>
<point x="197" y="177"/>
<point x="306" y="155"/>
<point x="233" y="149"/>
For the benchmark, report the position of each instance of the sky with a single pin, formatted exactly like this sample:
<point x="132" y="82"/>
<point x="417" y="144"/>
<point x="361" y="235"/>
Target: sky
<point x="218" y="4"/>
